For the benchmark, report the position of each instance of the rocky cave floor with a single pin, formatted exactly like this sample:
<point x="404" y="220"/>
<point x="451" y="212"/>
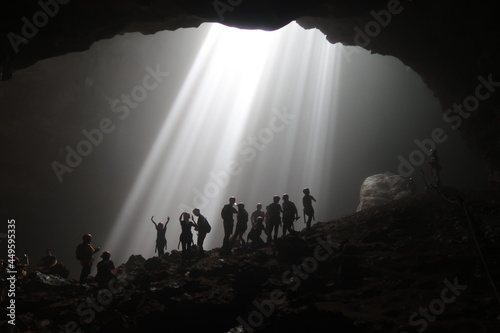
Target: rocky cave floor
<point x="408" y="266"/>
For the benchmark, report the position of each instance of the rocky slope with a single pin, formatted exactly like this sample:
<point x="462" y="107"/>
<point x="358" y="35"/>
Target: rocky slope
<point x="411" y="265"/>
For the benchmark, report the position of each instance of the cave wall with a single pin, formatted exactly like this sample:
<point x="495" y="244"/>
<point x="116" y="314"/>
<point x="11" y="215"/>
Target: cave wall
<point x="452" y="45"/>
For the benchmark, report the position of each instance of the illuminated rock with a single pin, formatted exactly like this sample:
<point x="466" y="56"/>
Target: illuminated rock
<point x="380" y="189"/>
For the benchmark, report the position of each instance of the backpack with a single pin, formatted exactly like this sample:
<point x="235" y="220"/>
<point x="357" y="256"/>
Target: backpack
<point x="208" y="228"/>
<point x="80" y="252"/>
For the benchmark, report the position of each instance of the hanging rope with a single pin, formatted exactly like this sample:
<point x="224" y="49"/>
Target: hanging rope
<point x="460" y="201"/>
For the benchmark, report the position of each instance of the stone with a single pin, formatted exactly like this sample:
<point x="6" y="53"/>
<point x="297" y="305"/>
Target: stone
<point x="380" y="189"/>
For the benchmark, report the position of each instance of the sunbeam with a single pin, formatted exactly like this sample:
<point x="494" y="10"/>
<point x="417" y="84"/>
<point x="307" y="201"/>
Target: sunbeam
<point x="251" y="120"/>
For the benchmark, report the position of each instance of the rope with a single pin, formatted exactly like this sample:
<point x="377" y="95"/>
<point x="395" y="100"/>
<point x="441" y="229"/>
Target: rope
<point x="461" y="201"/>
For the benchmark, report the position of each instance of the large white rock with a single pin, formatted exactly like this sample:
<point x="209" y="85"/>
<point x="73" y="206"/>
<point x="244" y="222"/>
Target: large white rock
<point x="382" y="188"/>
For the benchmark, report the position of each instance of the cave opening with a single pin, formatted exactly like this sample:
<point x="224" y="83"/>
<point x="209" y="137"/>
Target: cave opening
<point x="166" y="122"/>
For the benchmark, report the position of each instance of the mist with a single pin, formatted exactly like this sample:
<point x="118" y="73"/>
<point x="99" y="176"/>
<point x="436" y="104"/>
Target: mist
<point x="167" y="122"/>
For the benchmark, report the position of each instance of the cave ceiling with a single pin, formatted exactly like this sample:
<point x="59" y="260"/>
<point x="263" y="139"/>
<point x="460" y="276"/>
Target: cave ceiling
<point x="452" y="45"/>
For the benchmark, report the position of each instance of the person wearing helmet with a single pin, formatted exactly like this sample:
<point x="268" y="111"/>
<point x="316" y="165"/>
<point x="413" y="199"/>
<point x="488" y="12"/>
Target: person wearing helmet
<point x="273" y="215"/>
<point x="256" y="213"/>
<point x="308" y="208"/>
<point x="161" y="241"/>
<point x="241" y="224"/>
<point x="256" y="231"/>
<point x="105" y="270"/>
<point x="228" y="221"/>
<point x="84" y="253"/>
<point x="290" y="214"/>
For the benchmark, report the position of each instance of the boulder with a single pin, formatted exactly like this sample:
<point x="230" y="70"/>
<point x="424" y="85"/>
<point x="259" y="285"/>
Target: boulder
<point x="382" y="188"/>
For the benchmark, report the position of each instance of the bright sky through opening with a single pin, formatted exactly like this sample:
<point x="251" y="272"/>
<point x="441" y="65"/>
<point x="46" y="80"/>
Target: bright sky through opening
<point x="252" y="119"/>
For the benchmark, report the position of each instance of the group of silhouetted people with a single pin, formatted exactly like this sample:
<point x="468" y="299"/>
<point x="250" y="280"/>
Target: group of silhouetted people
<point x="267" y="222"/>
<point x="276" y="215"/>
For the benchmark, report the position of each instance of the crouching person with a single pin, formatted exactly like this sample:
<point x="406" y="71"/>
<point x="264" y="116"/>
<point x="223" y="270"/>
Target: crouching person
<point x="105" y="270"/>
<point x="256" y="232"/>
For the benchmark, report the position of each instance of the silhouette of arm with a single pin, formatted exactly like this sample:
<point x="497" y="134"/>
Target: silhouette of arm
<point x="153" y="221"/>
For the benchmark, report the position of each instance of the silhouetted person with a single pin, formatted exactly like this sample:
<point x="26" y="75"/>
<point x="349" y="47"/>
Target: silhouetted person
<point x="186" y="237"/>
<point x="273" y="215"/>
<point x="47" y="262"/>
<point x="256" y="213"/>
<point x="241" y="224"/>
<point x="412" y="187"/>
<point x="256" y="231"/>
<point x="21" y="266"/>
<point x="105" y="270"/>
<point x="202" y="227"/>
<point x="307" y="200"/>
<point x="227" y="219"/>
<point x="161" y="240"/>
<point x="84" y="253"/>
<point x="290" y="214"/>
<point x="435" y="167"/>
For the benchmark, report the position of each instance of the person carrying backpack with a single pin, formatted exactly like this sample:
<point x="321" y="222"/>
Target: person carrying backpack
<point x="203" y="228"/>
<point x="84" y="253"/>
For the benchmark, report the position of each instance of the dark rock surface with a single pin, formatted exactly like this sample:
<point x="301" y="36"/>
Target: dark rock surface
<point x="407" y="265"/>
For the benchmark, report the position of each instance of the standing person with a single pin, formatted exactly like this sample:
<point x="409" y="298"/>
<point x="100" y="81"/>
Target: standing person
<point x="105" y="270"/>
<point x="241" y="224"/>
<point x="227" y="219"/>
<point x="435" y="166"/>
<point x="412" y="187"/>
<point x="290" y="214"/>
<point x="256" y="213"/>
<point x="203" y="228"/>
<point x="84" y="253"/>
<point x="308" y="208"/>
<point x="161" y="240"/>
<point x="273" y="215"/>
<point x="186" y="237"/>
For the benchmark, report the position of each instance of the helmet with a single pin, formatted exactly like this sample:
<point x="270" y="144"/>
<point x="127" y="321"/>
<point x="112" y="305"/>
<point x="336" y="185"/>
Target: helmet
<point x="305" y="190"/>
<point x="106" y="255"/>
<point x="259" y="205"/>
<point x="285" y="196"/>
<point x="276" y="198"/>
<point x="87" y="237"/>
<point x="241" y="204"/>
